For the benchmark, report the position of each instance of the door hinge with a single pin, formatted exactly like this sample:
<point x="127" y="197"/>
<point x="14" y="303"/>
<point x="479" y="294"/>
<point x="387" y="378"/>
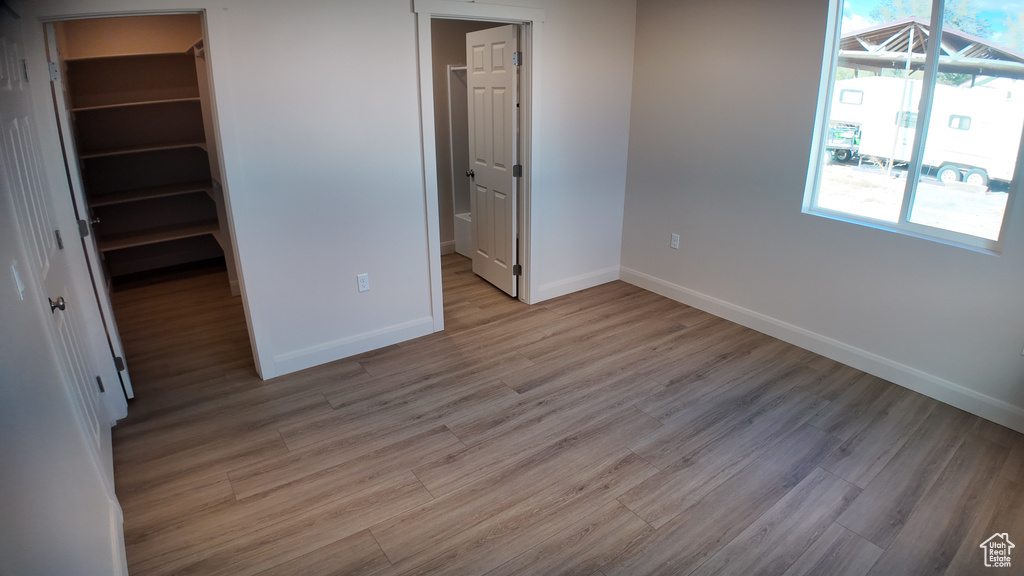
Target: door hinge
<point x="24" y="70"/>
<point x="54" y="71"/>
<point x="83" y="228"/>
<point x="60" y="241"/>
<point x="119" y="363"/>
<point x="99" y="382"/>
<point x="517" y="170"/>
<point x="517" y="269"/>
<point x="517" y="58"/>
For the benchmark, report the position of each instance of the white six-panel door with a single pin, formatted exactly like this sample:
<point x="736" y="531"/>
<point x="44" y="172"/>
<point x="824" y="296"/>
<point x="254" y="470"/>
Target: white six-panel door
<point x="57" y="444"/>
<point x="492" y="90"/>
<point x="44" y="236"/>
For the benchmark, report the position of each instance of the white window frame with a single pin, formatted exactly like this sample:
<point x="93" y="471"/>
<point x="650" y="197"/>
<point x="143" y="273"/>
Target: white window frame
<point x="959" y="122"/>
<point x="859" y="93"/>
<point x="903" y="225"/>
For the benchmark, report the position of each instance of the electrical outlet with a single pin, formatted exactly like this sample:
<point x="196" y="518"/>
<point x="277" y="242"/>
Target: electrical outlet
<point x="675" y="242"/>
<point x="364" y="282"/>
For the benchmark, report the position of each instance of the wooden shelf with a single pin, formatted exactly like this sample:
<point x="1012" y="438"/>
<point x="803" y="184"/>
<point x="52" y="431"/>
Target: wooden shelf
<point x="220" y="241"/>
<point x="157" y="235"/>
<point x="114" y="80"/>
<point x="150" y="193"/>
<point x="139" y="118"/>
<point x="117" y="128"/>
<point x="139" y="149"/>
<point x="126" y="55"/>
<point x="130" y="104"/>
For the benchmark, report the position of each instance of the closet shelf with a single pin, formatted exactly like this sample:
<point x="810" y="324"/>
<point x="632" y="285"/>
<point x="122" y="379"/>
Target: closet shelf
<point x="138" y="103"/>
<point x="138" y="116"/>
<point x="139" y="149"/>
<point x="157" y="235"/>
<point x="112" y="57"/>
<point x="219" y="237"/>
<point x="150" y="193"/>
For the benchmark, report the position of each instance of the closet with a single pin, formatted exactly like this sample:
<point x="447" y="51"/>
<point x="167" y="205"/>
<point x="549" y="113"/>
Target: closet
<point x="138" y="99"/>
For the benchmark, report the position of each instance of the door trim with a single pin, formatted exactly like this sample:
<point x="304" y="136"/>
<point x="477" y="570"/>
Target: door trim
<point x="532" y="20"/>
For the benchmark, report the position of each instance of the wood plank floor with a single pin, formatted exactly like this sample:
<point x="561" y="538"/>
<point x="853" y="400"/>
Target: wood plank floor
<point x="608" y="432"/>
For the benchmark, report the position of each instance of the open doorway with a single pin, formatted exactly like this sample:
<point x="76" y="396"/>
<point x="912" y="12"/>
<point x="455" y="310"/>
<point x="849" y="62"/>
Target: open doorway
<point x="478" y="188"/>
<point x="133" y="99"/>
<point x="436" y="129"/>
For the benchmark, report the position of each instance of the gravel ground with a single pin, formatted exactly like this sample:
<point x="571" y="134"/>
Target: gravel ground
<point x="871" y="193"/>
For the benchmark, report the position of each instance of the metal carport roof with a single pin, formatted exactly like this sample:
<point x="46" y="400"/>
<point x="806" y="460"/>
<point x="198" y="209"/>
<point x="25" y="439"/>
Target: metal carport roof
<point x="891" y="45"/>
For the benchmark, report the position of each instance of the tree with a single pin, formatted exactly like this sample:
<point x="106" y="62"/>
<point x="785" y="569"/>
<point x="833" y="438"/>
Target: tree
<point x="1013" y="35"/>
<point x="960" y="14"/>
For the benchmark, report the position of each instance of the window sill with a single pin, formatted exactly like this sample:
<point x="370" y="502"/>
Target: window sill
<point x="937" y="235"/>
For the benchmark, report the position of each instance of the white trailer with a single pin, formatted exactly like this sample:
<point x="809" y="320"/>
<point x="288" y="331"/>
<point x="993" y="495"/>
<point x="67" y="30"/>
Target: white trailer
<point x="973" y="136"/>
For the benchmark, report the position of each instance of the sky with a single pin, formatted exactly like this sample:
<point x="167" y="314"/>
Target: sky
<point x="855" y="13"/>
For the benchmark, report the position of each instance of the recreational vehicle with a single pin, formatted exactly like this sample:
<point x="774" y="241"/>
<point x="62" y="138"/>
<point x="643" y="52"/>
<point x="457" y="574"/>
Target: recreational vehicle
<point x="974" y="134"/>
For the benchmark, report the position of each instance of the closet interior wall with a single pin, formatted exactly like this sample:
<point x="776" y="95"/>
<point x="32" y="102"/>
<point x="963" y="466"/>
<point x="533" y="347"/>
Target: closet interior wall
<point x="138" y="95"/>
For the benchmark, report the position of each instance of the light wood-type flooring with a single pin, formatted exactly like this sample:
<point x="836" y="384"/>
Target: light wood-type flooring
<point x="608" y="432"/>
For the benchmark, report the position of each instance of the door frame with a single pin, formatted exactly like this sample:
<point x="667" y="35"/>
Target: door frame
<point x="204" y="16"/>
<point x="531" y="21"/>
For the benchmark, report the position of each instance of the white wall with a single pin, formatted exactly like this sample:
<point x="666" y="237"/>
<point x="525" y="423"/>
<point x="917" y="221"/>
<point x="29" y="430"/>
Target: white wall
<point x="723" y="104"/>
<point x="581" y="127"/>
<point x="325" y="174"/>
<point x="325" y="178"/>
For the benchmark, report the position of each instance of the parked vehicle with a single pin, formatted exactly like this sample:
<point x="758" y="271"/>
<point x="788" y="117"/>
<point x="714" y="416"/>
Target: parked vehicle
<point x="973" y="136"/>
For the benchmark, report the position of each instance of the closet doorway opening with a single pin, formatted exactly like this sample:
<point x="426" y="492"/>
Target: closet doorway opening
<point x="134" y="104"/>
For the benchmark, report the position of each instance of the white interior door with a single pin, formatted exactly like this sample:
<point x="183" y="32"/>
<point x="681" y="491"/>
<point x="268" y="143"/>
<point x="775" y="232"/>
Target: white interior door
<point x="493" y="93"/>
<point x="46" y="232"/>
<point x="58" y="463"/>
<point x="84" y="216"/>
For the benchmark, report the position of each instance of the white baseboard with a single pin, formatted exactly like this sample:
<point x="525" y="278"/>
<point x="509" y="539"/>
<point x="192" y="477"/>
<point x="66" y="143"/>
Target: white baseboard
<point x="345" y="347"/>
<point x="117" y="543"/>
<point x="448" y="247"/>
<point x="932" y="386"/>
<point x="574" y="284"/>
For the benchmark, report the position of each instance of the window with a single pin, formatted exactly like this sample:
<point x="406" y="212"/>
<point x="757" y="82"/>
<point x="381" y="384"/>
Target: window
<point x="906" y="119"/>
<point x="912" y="136"/>
<point x="959" y="122"/>
<point x="855" y="97"/>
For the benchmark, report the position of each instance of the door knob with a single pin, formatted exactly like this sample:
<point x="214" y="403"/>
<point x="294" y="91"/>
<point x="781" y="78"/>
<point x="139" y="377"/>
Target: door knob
<point x="58" y="305"/>
<point x="470" y="173"/>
